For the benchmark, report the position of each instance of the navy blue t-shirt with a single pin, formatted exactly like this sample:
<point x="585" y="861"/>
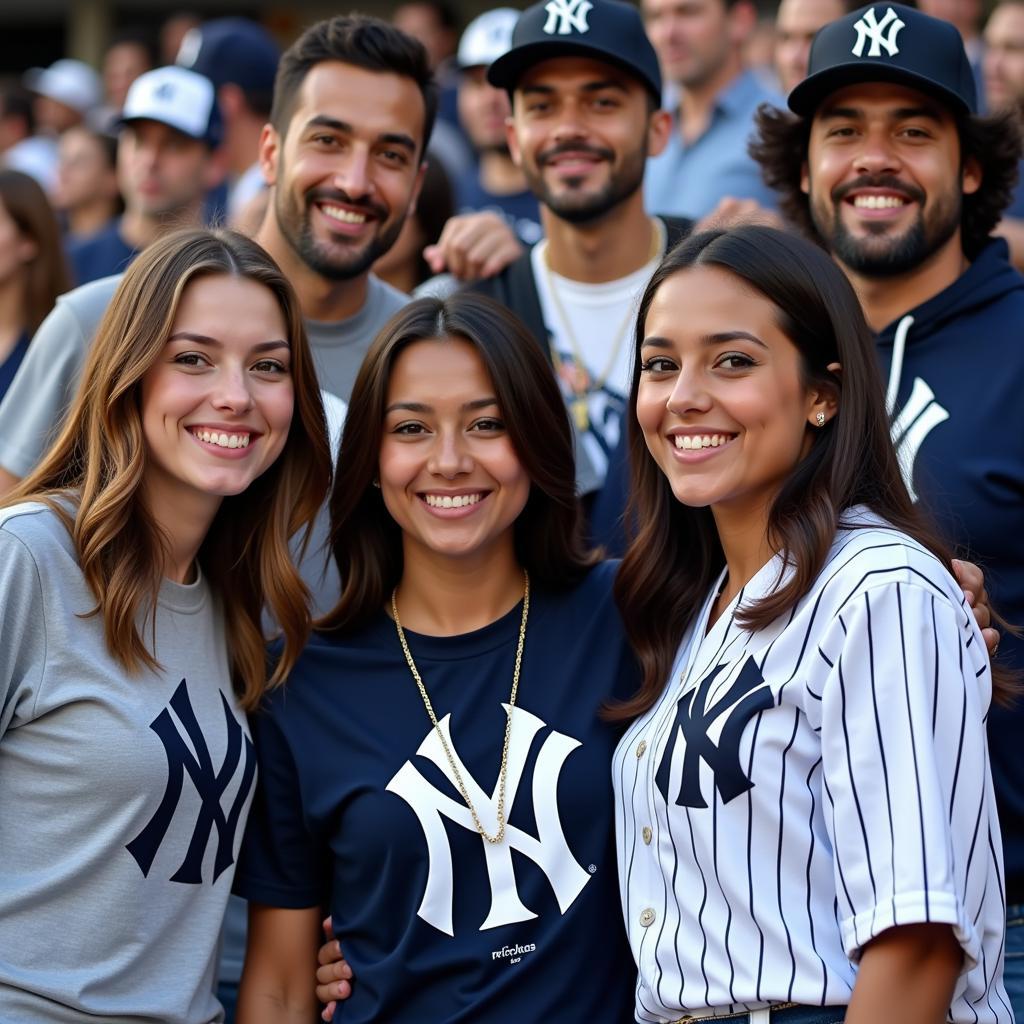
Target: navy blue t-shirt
<point x="357" y="811"/>
<point x="100" y="255"/>
<point x="9" y="366"/>
<point x="520" y="209"/>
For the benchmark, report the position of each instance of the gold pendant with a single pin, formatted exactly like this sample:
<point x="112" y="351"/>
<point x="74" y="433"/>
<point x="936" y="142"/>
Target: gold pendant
<point x="581" y="413"/>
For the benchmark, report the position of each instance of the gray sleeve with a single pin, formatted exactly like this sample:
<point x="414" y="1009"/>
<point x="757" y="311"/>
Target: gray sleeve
<point x="22" y="632"/>
<point x="42" y="389"/>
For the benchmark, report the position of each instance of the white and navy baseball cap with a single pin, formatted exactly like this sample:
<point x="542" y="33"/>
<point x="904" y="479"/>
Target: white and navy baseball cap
<point x="487" y="38"/>
<point x="67" y="81"/>
<point x="605" y="30"/>
<point x="888" y="43"/>
<point x="177" y="97"/>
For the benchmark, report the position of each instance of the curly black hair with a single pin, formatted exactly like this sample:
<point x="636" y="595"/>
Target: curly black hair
<point x="780" y="143"/>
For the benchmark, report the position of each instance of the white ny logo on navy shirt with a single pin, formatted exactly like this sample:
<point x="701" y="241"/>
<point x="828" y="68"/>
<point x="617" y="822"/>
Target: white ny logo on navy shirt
<point x="869" y="27"/>
<point x="566" y="15"/>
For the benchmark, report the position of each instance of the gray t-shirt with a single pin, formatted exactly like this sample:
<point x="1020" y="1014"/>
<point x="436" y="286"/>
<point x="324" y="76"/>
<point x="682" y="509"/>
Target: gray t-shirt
<point x="34" y="406"/>
<point x="123" y="797"/>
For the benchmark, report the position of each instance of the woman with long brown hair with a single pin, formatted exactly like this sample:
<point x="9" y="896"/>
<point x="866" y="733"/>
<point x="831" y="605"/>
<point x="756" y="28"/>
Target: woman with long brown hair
<point x="806" y="827"/>
<point x="436" y="768"/>
<point x="135" y="565"/>
<point x="32" y="267"/>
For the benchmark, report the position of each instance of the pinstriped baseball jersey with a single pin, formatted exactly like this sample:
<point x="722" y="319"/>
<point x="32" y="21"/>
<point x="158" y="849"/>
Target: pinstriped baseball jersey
<point x="799" y="789"/>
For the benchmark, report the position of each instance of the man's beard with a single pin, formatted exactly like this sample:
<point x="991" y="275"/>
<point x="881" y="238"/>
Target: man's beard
<point x="296" y="226"/>
<point x="878" y="254"/>
<point x="583" y="208"/>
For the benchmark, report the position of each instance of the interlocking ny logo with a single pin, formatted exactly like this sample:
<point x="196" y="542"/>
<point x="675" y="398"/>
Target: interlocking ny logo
<point x="917" y="419"/>
<point x="564" y="16"/>
<point x="210" y="786"/>
<point x="868" y="27"/>
<point x="548" y="850"/>
<point x="745" y="698"/>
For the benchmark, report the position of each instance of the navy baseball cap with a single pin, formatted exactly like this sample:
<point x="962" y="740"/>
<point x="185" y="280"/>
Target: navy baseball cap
<point x="606" y="30"/>
<point x="888" y="43"/>
<point x="232" y="50"/>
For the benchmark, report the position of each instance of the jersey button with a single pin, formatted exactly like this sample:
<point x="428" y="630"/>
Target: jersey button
<point x="647" y="917"/>
<point x="647" y="834"/>
<point x="640" y="748"/>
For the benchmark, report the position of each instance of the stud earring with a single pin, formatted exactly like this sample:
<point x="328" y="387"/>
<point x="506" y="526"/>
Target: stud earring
<point x="376" y="482"/>
<point x="820" y="417"/>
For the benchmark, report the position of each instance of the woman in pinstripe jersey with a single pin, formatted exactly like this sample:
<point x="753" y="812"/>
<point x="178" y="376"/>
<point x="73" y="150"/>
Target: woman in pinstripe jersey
<point x="806" y="828"/>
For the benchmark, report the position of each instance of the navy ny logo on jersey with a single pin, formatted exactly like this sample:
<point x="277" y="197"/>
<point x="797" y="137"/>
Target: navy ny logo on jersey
<point x="210" y="784"/>
<point x="695" y="719"/>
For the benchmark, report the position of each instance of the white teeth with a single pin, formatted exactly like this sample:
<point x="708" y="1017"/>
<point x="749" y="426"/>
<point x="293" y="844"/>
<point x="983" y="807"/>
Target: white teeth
<point x="451" y="501"/>
<point x="346" y="216"/>
<point x="223" y="440"/>
<point x="693" y="442"/>
<point x="878" y="202"/>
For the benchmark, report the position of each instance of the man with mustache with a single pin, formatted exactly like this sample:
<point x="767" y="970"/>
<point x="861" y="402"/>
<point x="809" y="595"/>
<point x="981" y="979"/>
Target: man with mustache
<point x="353" y="107"/>
<point x="586" y="90"/>
<point x="888" y="165"/>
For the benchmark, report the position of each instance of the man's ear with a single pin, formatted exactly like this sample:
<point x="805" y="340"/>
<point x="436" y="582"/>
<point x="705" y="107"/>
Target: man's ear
<point x="659" y="130"/>
<point x="741" y="20"/>
<point x="971" y="176"/>
<point x="216" y="168"/>
<point x="270" y="144"/>
<point x="805" y="179"/>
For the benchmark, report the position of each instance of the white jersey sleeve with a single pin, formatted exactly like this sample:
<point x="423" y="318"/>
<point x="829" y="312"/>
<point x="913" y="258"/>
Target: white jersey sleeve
<point x="909" y="811"/>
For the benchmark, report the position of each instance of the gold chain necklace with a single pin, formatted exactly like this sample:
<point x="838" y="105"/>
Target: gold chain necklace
<point x="503" y="773"/>
<point x="578" y="381"/>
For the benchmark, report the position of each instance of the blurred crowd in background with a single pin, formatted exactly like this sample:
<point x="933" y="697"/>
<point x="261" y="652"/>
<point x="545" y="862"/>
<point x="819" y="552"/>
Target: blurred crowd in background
<point x="166" y="131"/>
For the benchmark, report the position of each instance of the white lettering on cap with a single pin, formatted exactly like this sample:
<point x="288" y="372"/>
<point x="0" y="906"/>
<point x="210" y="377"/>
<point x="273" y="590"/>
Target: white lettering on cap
<point x="869" y="27"/>
<point x="565" y="16"/>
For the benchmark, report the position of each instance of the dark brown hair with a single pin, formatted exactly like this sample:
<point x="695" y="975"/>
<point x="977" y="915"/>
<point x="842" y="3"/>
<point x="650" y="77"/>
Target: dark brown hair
<point x="100" y="457"/>
<point x="780" y="147"/>
<point x="675" y="554"/>
<point x="366" y="541"/>
<point x="363" y="42"/>
<point x="47" y="273"/>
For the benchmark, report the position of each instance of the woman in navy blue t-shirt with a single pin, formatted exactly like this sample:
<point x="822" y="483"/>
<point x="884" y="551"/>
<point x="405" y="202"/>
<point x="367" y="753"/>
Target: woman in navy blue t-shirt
<point x="435" y="771"/>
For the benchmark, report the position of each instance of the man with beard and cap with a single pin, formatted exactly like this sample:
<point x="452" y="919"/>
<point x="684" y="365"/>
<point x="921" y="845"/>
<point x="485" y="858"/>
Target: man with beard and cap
<point x="586" y="90"/>
<point x="888" y="165"/>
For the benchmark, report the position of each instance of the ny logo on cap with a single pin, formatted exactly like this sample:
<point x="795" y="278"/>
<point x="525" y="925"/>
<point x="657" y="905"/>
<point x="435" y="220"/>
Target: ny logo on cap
<point x="566" y="15"/>
<point x="165" y="91"/>
<point x="868" y="27"/>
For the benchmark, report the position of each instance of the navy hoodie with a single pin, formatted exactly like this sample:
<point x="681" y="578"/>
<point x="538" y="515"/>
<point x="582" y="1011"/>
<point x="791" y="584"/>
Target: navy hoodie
<point x="957" y="403"/>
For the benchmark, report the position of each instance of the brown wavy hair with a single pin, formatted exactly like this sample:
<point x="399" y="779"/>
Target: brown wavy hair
<point x="366" y="541"/>
<point x="675" y="555"/>
<point x="47" y="272"/>
<point x="99" y="461"/>
<point x="780" y="145"/>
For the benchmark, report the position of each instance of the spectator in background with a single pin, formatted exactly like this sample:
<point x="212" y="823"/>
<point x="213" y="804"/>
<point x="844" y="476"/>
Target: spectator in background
<point x="64" y="95"/>
<point x="796" y="24"/>
<point x="403" y="266"/>
<point x="167" y="161"/>
<point x="965" y="16"/>
<point x="87" y="195"/>
<point x="435" y="24"/>
<point x="1004" y="88"/>
<point x="496" y="183"/>
<point x="700" y="47"/>
<point x="240" y="57"/>
<point x="20" y="148"/>
<point x="130" y="53"/>
<point x="173" y="31"/>
<point x="32" y="269"/>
